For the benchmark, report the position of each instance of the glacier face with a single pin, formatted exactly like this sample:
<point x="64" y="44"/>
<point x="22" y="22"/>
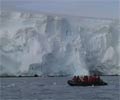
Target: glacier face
<point x="58" y="45"/>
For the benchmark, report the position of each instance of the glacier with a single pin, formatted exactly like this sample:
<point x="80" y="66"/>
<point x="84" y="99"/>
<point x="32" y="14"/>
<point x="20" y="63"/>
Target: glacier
<point x="58" y="45"/>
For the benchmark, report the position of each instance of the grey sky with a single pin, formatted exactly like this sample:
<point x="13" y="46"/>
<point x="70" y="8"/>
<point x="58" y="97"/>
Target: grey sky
<point x="88" y="8"/>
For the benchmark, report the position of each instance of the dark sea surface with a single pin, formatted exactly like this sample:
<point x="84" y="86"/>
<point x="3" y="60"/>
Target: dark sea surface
<point x="56" y="88"/>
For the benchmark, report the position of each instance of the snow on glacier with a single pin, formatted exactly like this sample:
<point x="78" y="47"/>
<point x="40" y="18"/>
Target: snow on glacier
<point x="58" y="45"/>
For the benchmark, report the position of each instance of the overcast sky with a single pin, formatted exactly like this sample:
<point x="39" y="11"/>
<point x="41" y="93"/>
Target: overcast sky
<point x="88" y="8"/>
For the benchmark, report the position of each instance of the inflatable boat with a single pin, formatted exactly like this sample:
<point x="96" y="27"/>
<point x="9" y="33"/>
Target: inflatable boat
<point x="73" y="83"/>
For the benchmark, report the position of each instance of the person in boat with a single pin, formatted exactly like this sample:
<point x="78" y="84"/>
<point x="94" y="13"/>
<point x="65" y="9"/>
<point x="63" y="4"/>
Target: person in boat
<point x="95" y="79"/>
<point x="81" y="78"/>
<point x="90" y="79"/>
<point x="98" y="80"/>
<point x="76" y="79"/>
<point x="85" y="80"/>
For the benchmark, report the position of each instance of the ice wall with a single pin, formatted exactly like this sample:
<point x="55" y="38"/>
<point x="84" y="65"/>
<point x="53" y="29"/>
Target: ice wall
<point x="56" y="45"/>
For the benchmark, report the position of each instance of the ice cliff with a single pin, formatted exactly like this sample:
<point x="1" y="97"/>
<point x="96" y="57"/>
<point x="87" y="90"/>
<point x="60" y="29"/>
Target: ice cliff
<point x="58" y="45"/>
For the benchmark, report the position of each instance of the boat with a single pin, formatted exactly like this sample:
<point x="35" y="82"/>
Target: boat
<point x="72" y="83"/>
<point x="80" y="83"/>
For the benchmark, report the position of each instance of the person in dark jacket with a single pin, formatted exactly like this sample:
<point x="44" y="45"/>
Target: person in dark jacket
<point x="74" y="78"/>
<point x="90" y="79"/>
<point x="85" y="79"/>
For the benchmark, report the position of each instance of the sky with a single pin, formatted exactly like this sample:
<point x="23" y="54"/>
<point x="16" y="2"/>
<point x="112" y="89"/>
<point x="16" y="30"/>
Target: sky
<point x="89" y="8"/>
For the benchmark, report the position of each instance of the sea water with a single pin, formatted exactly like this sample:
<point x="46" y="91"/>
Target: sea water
<point x="56" y="88"/>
